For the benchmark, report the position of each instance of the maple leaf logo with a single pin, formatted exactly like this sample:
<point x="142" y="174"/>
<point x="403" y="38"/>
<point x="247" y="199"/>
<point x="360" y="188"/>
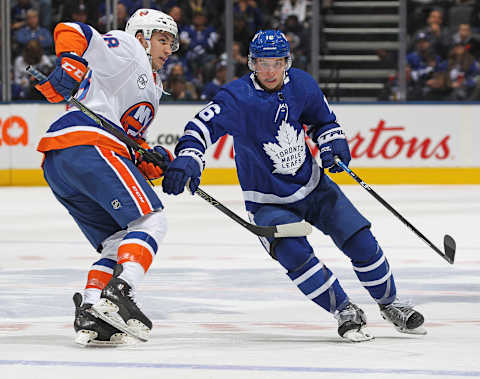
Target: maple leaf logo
<point x="289" y="154"/>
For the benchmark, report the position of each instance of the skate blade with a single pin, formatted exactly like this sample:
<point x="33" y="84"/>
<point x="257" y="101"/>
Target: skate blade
<point x="107" y="311"/>
<point x="88" y="338"/>
<point x="84" y="337"/>
<point x="361" y="335"/>
<point x="418" y="331"/>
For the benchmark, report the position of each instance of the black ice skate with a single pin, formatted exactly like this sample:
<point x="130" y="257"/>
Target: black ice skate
<point x="351" y="324"/>
<point x="117" y="306"/>
<point x="403" y="317"/>
<point x="92" y="331"/>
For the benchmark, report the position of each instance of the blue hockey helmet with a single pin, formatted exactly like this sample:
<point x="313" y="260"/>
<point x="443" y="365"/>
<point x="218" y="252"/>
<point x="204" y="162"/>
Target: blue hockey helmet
<point x="269" y="44"/>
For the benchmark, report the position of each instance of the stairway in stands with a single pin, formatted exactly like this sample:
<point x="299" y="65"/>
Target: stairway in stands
<point x="361" y="49"/>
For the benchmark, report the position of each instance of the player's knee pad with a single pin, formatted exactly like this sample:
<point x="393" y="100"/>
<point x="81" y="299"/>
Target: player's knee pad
<point x="371" y="266"/>
<point x="154" y="224"/>
<point x="292" y="252"/>
<point x="140" y="243"/>
<point x="361" y="247"/>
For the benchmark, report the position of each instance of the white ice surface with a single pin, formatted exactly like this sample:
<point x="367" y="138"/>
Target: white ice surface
<point x="223" y="309"/>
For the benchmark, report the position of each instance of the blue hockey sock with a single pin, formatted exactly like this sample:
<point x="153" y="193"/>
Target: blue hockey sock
<point x="318" y="283"/>
<point x="371" y="266"/>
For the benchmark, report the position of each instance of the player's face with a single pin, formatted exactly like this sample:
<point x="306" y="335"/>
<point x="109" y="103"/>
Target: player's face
<point x="270" y="72"/>
<point x="160" y="48"/>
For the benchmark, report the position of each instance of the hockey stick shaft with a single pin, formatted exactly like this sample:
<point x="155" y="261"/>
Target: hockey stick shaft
<point x="449" y="243"/>
<point x="286" y="230"/>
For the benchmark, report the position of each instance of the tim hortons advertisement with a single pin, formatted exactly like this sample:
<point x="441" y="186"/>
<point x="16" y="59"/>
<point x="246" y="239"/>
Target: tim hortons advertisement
<point x="20" y="126"/>
<point x="379" y="135"/>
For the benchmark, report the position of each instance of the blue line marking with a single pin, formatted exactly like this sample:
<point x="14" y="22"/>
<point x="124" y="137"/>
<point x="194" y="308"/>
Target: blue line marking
<point x="241" y="368"/>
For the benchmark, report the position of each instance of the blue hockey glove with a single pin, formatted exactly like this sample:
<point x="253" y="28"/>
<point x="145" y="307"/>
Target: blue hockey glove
<point x="180" y="170"/>
<point x="67" y="75"/>
<point x="332" y="142"/>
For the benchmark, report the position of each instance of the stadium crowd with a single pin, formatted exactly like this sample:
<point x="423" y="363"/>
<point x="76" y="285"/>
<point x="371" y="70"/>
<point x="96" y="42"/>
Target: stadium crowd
<point x="442" y="62"/>
<point x="193" y="73"/>
<point x="443" y="51"/>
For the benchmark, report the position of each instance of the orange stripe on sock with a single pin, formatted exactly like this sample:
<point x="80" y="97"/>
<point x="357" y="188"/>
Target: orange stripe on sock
<point x="131" y="252"/>
<point x="69" y="39"/>
<point x="135" y="189"/>
<point x="98" y="279"/>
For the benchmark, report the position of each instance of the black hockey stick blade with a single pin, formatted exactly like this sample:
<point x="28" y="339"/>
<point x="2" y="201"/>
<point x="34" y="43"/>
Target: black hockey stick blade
<point x="450" y="247"/>
<point x="448" y="242"/>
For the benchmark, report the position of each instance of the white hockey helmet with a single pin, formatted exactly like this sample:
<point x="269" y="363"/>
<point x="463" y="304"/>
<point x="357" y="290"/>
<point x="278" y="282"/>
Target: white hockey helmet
<point x="149" y="20"/>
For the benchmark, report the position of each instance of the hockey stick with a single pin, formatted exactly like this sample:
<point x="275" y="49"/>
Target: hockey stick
<point x="448" y="242"/>
<point x="294" y="229"/>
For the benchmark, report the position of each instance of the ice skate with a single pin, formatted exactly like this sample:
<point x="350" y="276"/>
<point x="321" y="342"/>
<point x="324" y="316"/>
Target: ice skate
<point x="91" y="331"/>
<point x="403" y="317"/>
<point x="351" y="324"/>
<point x="117" y="306"/>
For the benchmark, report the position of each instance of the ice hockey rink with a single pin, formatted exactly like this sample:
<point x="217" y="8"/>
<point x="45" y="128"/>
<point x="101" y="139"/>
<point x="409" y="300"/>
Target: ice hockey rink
<point x="221" y="308"/>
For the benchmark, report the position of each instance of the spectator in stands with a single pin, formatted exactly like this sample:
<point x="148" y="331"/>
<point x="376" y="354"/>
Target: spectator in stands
<point x="240" y="61"/>
<point x="177" y="14"/>
<point x="178" y="90"/>
<point x="124" y="9"/>
<point x="33" y="30"/>
<point x="85" y="11"/>
<point x="18" y="14"/>
<point x="200" y="42"/>
<point x="460" y="13"/>
<point x="465" y="36"/>
<point x="462" y="72"/>
<point x="249" y="10"/>
<point x="32" y="56"/>
<point x="212" y="87"/>
<point x="426" y="70"/>
<point x="190" y="7"/>
<point x="437" y="33"/>
<point x="178" y="70"/>
<point x="242" y="34"/>
<point x="295" y="7"/>
<point x="299" y="41"/>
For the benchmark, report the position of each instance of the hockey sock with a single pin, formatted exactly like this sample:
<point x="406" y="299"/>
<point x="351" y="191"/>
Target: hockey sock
<point x="371" y="266"/>
<point x="98" y="277"/>
<point x="135" y="254"/>
<point x="318" y="283"/>
<point x="132" y="273"/>
<point x="137" y="247"/>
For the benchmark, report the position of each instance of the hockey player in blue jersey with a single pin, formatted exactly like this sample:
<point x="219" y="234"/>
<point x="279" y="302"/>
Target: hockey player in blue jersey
<point x="265" y="112"/>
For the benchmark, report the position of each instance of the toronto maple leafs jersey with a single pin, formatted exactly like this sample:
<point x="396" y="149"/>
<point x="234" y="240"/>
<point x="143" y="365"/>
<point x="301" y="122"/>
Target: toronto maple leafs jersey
<point x="274" y="164"/>
<point x="119" y="86"/>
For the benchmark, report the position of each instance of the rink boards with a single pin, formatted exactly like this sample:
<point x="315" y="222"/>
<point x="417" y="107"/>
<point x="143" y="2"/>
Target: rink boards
<point x="390" y="144"/>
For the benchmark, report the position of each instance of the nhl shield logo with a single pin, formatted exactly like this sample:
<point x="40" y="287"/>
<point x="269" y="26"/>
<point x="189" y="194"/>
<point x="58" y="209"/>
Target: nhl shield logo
<point x="116" y="204"/>
<point x="142" y="81"/>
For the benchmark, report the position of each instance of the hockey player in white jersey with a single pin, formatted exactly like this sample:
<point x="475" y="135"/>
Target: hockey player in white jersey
<point x="265" y="112"/>
<point x="96" y="177"/>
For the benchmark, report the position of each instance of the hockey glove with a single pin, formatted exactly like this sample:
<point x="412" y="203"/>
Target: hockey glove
<point x="148" y="163"/>
<point x="332" y="142"/>
<point x="67" y="75"/>
<point x="180" y="170"/>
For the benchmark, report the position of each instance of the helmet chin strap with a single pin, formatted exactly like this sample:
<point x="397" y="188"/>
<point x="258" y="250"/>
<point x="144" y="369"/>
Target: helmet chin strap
<point x="147" y="50"/>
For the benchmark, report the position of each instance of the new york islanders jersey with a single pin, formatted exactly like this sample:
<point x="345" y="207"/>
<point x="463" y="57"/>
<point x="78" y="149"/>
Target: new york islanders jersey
<point x="119" y="86"/>
<point x="274" y="164"/>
